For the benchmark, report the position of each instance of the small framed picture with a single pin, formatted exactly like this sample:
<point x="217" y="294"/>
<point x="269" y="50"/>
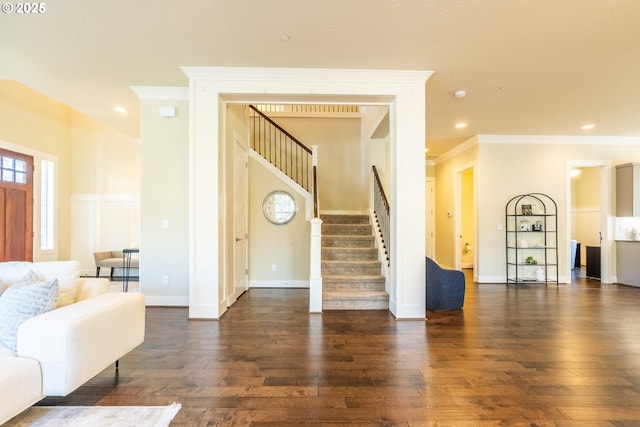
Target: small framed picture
<point x="536" y="227"/>
<point x="526" y="210"/>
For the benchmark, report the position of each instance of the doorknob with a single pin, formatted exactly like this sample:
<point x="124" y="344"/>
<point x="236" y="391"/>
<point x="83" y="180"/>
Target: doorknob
<point x="238" y="239"/>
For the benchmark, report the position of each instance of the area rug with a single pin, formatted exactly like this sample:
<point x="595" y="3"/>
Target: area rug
<point x="96" y="416"/>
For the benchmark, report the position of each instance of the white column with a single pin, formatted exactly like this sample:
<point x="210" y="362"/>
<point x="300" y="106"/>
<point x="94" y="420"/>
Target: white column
<point x="315" y="278"/>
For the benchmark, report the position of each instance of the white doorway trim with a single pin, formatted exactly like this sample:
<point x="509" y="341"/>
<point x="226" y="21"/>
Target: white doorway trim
<point x="606" y="224"/>
<point x="430" y="217"/>
<point x="402" y="91"/>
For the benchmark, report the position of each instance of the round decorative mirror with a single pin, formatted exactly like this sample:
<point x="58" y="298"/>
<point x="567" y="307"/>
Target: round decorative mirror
<point x="279" y="207"/>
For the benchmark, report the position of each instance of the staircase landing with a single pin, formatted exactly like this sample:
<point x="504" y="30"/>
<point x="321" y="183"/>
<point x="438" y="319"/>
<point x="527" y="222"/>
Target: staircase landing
<point x="351" y="278"/>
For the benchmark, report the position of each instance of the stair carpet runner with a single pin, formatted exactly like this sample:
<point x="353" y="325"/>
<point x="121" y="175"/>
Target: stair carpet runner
<point x="351" y="271"/>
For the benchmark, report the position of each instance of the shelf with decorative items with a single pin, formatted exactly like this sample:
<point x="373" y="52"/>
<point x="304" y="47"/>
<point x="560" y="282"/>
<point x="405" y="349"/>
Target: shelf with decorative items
<point x="531" y="239"/>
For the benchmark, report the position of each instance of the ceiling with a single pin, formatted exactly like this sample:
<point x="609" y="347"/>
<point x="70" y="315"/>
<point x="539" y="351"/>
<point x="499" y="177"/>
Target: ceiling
<point x="543" y="67"/>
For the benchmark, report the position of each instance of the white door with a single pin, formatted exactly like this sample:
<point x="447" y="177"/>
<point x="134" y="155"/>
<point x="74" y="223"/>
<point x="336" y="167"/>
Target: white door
<point x="240" y="223"/>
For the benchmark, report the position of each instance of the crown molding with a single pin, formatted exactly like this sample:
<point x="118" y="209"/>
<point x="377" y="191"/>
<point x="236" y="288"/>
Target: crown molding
<point x="176" y="93"/>
<point x="558" y="139"/>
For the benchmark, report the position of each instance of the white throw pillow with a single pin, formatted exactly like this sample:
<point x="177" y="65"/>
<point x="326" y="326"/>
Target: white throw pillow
<point x="67" y="273"/>
<point x="28" y="279"/>
<point x="19" y="303"/>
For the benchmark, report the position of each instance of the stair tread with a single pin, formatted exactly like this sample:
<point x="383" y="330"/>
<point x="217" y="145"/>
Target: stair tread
<point x="356" y="295"/>
<point x="353" y="282"/>
<point x="353" y="277"/>
<point x="350" y="248"/>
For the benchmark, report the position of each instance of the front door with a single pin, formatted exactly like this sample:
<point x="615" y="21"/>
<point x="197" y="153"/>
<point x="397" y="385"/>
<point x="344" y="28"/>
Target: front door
<point x="16" y="206"/>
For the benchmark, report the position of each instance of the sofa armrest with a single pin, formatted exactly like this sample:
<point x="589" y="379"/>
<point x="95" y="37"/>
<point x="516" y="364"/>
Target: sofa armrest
<point x="76" y="342"/>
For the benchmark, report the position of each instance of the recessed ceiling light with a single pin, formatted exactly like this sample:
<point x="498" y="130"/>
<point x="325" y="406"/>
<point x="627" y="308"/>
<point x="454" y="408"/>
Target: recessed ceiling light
<point x="284" y="37"/>
<point x="588" y="126"/>
<point x="119" y="109"/>
<point x="461" y="125"/>
<point x="459" y="94"/>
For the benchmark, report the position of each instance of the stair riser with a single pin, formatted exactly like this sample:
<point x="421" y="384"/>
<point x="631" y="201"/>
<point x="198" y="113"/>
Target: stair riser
<point x="363" y="304"/>
<point x="350" y="254"/>
<point x="353" y="286"/>
<point x="347" y="230"/>
<point x="344" y="219"/>
<point x="347" y="241"/>
<point x="350" y="269"/>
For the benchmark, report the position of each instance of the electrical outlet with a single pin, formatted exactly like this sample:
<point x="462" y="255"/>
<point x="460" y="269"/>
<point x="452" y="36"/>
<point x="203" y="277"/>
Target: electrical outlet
<point x="165" y="280"/>
<point x="273" y="267"/>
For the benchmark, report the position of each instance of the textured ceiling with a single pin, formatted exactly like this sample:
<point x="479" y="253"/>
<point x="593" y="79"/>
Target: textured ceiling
<point x="528" y="67"/>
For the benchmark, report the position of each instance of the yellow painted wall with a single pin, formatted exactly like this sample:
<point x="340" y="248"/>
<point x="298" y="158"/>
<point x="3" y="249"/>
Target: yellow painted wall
<point x="468" y="219"/>
<point x="445" y="226"/>
<point x="90" y="155"/>
<point x="285" y="246"/>
<point x="340" y="162"/>
<point x="586" y="212"/>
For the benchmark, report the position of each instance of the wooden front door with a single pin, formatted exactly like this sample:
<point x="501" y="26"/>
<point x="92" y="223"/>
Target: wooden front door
<point x="16" y="206"/>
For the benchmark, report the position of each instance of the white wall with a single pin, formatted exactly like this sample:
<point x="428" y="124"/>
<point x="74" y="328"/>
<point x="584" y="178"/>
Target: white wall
<point x="102" y="222"/>
<point x="164" y="197"/>
<point x="511" y="165"/>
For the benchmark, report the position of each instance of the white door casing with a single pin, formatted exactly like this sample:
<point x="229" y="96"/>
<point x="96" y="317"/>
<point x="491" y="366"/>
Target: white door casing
<point x="430" y="199"/>
<point x="240" y="222"/>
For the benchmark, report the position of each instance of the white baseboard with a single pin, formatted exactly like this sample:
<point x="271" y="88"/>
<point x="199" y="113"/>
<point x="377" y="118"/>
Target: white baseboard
<point x="278" y="283"/>
<point x="502" y="280"/>
<point x="167" y="301"/>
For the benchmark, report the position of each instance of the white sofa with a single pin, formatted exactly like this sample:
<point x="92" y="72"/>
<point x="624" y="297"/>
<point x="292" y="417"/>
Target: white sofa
<point x="58" y="351"/>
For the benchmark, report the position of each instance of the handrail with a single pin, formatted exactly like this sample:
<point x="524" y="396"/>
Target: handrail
<point x="281" y="149"/>
<point x="381" y="211"/>
<point x="379" y="185"/>
<point x="277" y="126"/>
<point x="316" y="196"/>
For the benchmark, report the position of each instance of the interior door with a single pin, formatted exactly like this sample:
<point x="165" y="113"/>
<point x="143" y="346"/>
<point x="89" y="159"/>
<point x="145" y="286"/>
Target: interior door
<point x="16" y="206"/>
<point x="240" y="223"/>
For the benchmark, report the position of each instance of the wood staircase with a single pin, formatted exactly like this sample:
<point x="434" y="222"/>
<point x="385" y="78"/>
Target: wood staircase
<point x="351" y="271"/>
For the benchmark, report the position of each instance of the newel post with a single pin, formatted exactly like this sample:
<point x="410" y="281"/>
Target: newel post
<point x="315" y="273"/>
<point x="315" y="278"/>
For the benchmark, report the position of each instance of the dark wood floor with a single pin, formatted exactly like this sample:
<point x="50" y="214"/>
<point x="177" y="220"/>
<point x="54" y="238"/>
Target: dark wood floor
<point x="514" y="356"/>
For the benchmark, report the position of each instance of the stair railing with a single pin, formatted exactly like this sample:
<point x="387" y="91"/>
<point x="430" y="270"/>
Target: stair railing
<point x="282" y="149"/>
<point x="381" y="211"/>
<point x="299" y="163"/>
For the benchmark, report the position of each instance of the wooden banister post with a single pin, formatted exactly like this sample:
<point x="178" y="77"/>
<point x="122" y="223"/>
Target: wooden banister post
<point x="315" y="273"/>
